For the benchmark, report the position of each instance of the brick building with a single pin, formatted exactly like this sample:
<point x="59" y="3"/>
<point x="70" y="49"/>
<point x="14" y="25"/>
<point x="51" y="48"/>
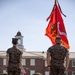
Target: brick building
<point x="34" y="62"/>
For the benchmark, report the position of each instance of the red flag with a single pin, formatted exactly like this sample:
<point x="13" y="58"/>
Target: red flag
<point x="56" y="26"/>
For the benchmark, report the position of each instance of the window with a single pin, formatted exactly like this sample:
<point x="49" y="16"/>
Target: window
<point x="4" y="61"/>
<point x="32" y="62"/>
<point x="73" y="73"/>
<point x="66" y="73"/>
<point x="19" y="40"/>
<point x="32" y="72"/>
<point x="23" y="61"/>
<point x="47" y="73"/>
<point x="64" y="62"/>
<point x="4" y="71"/>
<point x="22" y="74"/>
<point x="73" y="63"/>
<point x="45" y="63"/>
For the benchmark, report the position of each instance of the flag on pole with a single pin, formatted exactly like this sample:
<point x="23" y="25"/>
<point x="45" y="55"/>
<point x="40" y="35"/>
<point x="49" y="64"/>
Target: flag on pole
<point x="56" y="26"/>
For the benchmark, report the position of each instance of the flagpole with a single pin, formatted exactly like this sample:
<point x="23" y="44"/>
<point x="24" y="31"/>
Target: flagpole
<point x="56" y="16"/>
<point x="55" y="1"/>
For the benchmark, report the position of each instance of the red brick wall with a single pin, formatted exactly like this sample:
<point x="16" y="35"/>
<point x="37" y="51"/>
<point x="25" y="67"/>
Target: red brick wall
<point x="39" y="66"/>
<point x="1" y="65"/>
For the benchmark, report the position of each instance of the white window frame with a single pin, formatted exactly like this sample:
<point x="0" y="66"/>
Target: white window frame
<point x="32" y="72"/>
<point x="64" y="62"/>
<point x="45" y="63"/>
<point x="4" y="71"/>
<point x="22" y="74"/>
<point x="4" y="61"/>
<point x="72" y="63"/>
<point x="73" y="72"/>
<point x="23" y="62"/>
<point x="47" y="73"/>
<point x="66" y="73"/>
<point x="32" y="62"/>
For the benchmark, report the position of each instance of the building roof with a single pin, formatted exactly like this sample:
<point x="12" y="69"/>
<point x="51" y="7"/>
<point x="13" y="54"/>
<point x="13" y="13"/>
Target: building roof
<point x="35" y="54"/>
<point x="18" y="33"/>
<point x="26" y="54"/>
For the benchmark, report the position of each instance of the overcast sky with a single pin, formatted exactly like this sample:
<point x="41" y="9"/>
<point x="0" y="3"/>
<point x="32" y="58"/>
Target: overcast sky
<point x="29" y="17"/>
